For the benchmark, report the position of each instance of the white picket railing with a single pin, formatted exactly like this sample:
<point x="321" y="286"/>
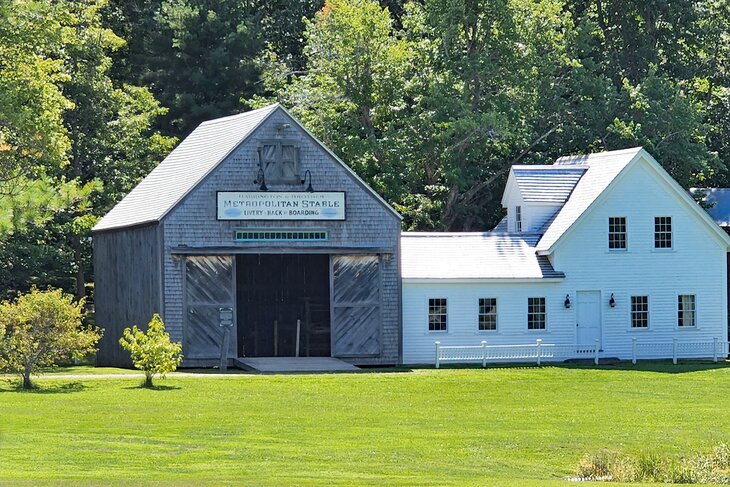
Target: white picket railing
<point x="514" y="353"/>
<point x="538" y="351"/>
<point x="697" y="349"/>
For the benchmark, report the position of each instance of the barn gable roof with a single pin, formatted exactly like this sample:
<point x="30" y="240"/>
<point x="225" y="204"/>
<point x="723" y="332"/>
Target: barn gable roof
<point x="191" y="161"/>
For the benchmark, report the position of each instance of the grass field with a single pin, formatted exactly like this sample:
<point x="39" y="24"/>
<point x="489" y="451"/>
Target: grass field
<point x="498" y="426"/>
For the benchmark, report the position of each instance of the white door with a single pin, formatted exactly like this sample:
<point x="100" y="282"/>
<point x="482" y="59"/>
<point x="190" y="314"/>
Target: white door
<point x="588" y="317"/>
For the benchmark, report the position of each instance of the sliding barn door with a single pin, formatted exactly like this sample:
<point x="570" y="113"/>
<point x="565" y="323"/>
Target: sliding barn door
<point x="208" y="288"/>
<point x="356" y="306"/>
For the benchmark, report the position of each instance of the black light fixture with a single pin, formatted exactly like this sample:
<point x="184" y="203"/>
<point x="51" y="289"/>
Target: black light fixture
<point x="567" y="301"/>
<point x="309" y="188"/>
<point x="260" y="178"/>
<point x="612" y="301"/>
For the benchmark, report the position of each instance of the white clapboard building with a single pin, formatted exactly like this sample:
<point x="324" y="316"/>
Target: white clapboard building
<point x="603" y="254"/>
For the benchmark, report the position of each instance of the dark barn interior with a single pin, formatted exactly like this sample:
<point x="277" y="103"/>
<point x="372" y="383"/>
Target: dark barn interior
<point x="273" y="292"/>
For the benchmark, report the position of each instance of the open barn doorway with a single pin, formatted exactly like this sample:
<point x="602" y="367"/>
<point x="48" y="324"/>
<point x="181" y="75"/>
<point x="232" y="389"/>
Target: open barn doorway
<point x="273" y="293"/>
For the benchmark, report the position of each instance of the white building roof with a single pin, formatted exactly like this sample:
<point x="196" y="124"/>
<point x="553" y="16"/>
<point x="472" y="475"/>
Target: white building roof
<point x="546" y="184"/>
<point x="190" y="162"/>
<point x="601" y="169"/>
<point x="488" y="255"/>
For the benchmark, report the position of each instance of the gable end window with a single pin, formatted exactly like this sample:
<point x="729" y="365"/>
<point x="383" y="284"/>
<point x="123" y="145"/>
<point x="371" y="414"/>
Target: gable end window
<point x="437" y="314"/>
<point x="518" y="218"/>
<point x="536" y="314"/>
<point x="686" y="310"/>
<point x="487" y="314"/>
<point x="639" y="311"/>
<point x="280" y="162"/>
<point x="617" y="233"/>
<point x="663" y="232"/>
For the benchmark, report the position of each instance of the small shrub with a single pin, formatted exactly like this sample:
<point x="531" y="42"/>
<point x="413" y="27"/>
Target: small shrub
<point x="597" y="465"/>
<point x="650" y="467"/>
<point x="699" y="468"/>
<point x="624" y="470"/>
<point x="40" y="328"/>
<point x="152" y="352"/>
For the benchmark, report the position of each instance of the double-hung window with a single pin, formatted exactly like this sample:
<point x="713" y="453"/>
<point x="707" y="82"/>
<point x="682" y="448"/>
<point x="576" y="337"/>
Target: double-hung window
<point x="663" y="232"/>
<point x="437" y="314"/>
<point x="536" y="314"/>
<point x="487" y="314"/>
<point x="639" y="312"/>
<point x="617" y="233"/>
<point x="518" y="218"/>
<point x="686" y="310"/>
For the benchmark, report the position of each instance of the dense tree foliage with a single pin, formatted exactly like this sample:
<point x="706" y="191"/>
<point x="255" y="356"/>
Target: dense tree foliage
<point x="430" y="101"/>
<point x="75" y="139"/>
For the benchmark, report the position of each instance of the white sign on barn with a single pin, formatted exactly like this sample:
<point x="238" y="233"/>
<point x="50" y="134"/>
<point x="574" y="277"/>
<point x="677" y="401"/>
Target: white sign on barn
<point x="281" y="205"/>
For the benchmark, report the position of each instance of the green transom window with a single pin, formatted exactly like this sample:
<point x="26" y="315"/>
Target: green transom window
<point x="268" y="235"/>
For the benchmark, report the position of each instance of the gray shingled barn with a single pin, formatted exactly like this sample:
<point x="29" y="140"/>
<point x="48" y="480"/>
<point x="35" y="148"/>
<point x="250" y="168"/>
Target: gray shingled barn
<point x="225" y="224"/>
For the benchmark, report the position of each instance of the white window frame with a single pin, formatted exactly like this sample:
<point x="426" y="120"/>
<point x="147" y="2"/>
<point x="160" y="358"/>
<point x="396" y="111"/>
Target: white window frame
<point x="479" y="315"/>
<point x="545" y="313"/>
<point x="518" y="218"/>
<point x="626" y="235"/>
<point x="631" y="312"/>
<point x="693" y="326"/>
<point x="671" y="234"/>
<point x="428" y="315"/>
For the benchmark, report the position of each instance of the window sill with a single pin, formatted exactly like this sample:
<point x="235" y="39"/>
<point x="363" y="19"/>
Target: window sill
<point x="618" y="251"/>
<point x="638" y="330"/>
<point x="663" y="251"/>
<point x="438" y="332"/>
<point x="487" y="332"/>
<point x="687" y="328"/>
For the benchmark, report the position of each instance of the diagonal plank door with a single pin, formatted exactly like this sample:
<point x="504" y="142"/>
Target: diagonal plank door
<point x="356" y="320"/>
<point x="208" y="287"/>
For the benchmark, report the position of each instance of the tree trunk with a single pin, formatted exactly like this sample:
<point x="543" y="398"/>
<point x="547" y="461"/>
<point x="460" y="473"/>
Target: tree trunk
<point x="147" y="380"/>
<point x="27" y="384"/>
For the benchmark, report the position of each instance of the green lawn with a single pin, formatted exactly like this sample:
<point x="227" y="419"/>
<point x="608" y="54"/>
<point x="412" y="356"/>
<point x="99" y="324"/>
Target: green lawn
<point x="499" y="426"/>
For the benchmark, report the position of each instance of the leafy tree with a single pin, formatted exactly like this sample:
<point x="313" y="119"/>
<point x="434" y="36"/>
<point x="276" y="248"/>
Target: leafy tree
<point x="32" y="135"/>
<point x="93" y="137"/>
<point x="41" y="327"/>
<point x="152" y="352"/>
<point x="110" y="128"/>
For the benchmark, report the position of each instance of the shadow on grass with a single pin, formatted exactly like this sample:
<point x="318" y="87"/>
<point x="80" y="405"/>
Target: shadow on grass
<point x="66" y="388"/>
<point x="659" y="366"/>
<point x="154" y="388"/>
<point x="378" y="369"/>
